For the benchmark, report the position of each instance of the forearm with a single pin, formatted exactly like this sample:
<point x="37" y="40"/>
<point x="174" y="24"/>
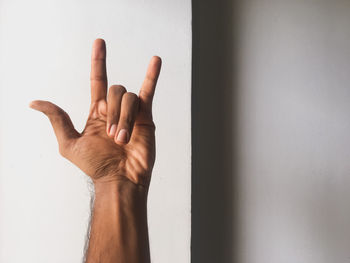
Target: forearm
<point x="119" y="232"/>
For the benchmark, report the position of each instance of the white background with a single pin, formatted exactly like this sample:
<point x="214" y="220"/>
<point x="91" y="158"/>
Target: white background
<point x="294" y="124"/>
<point x="45" y="54"/>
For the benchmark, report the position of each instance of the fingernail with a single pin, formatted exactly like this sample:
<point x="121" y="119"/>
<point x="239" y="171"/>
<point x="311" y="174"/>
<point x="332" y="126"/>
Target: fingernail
<point x="122" y="136"/>
<point x="112" y="130"/>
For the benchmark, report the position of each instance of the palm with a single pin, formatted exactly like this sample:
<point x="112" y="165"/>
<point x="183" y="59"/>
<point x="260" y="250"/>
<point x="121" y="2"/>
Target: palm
<point x="98" y="150"/>
<point x="101" y="155"/>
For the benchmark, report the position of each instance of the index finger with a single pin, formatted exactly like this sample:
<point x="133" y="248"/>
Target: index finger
<point x="149" y="85"/>
<point x="98" y="76"/>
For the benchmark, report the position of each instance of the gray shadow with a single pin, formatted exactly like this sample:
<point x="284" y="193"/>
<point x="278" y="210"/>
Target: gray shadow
<point x="213" y="138"/>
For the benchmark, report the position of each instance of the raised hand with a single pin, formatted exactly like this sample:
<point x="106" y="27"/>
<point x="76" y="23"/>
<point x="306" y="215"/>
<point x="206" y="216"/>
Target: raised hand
<point x="118" y="141"/>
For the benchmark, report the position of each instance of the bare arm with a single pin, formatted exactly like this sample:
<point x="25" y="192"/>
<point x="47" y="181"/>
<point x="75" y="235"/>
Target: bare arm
<point x="117" y="150"/>
<point x="119" y="224"/>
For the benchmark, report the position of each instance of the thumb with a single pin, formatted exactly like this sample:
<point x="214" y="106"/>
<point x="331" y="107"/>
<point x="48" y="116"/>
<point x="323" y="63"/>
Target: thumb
<point x="60" y="121"/>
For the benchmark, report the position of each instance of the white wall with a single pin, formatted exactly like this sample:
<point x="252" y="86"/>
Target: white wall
<point x="45" y="54"/>
<point x="294" y="124"/>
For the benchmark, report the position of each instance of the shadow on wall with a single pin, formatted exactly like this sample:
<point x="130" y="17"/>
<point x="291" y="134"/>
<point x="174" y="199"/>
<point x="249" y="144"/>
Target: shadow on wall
<point x="213" y="131"/>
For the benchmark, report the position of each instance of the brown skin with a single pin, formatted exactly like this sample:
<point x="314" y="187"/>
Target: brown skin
<point x="120" y="167"/>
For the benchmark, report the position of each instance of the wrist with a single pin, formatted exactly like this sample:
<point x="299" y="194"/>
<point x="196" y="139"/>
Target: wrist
<point x="119" y="189"/>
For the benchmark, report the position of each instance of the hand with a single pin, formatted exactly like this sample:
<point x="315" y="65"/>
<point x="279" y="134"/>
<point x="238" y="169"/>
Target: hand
<point x="118" y="141"/>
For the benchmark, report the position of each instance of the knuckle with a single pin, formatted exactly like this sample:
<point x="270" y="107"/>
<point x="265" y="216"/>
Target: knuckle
<point x="144" y="93"/>
<point x="131" y="95"/>
<point x="117" y="89"/>
<point x="98" y="77"/>
<point x="59" y="113"/>
<point x="152" y="125"/>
